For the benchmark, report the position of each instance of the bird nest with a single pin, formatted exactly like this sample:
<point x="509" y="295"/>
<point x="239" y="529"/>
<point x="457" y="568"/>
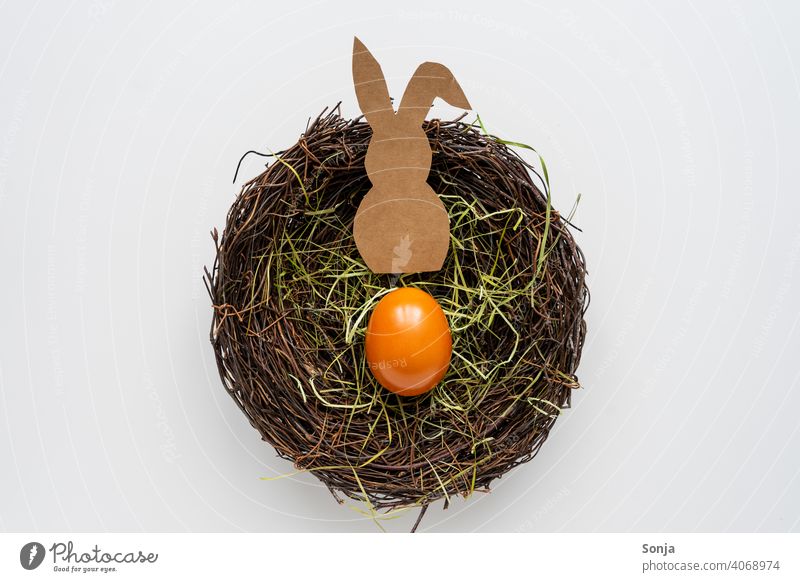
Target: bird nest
<point x="291" y="299"/>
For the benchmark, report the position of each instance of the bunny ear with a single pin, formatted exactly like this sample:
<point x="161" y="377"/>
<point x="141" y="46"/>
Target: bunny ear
<point x="429" y="81"/>
<point x="370" y="85"/>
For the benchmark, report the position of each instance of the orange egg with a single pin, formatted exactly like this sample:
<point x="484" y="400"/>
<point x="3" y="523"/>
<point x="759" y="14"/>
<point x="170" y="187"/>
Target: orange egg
<point x="408" y="342"/>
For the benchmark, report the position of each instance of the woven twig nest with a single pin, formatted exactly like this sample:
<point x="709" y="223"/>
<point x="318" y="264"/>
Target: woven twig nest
<point x="292" y="298"/>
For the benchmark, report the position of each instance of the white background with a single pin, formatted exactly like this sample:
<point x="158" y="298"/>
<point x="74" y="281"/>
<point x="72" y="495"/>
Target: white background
<point x="120" y="128"/>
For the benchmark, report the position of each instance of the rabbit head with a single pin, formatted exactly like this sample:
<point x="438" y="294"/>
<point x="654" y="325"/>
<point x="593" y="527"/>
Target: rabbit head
<point x="399" y="151"/>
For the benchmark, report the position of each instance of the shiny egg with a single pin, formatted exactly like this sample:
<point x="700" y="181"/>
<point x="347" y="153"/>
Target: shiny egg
<point x="408" y="342"/>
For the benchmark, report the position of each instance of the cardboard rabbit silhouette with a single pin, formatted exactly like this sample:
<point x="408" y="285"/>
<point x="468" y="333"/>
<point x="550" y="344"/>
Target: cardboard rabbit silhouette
<point x="401" y="225"/>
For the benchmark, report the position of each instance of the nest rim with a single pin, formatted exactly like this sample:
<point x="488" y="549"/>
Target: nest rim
<point x="268" y="369"/>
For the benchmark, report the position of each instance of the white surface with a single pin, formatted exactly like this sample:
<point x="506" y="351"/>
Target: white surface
<point x="120" y="128"/>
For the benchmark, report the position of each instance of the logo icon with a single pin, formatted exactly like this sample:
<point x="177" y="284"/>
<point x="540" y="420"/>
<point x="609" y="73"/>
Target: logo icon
<point x="31" y="555"/>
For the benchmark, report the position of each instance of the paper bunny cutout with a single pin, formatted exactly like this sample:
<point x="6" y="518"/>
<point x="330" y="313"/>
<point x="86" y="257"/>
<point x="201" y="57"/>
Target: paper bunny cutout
<point x="401" y="225"/>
